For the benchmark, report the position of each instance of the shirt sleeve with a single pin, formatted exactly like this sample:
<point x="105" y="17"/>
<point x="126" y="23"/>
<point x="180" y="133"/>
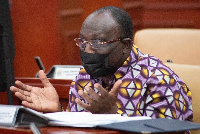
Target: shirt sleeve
<point x="161" y="94"/>
<point x="168" y="98"/>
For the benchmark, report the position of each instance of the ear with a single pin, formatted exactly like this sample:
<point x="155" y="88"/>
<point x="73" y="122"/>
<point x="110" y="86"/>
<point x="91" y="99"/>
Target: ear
<point x="128" y="44"/>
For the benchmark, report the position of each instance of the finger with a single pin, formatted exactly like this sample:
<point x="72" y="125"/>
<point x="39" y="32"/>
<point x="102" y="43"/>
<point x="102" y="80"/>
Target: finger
<point x="83" y="105"/>
<point x="114" y="90"/>
<point x="23" y="86"/>
<point x="91" y="93"/>
<point x="25" y="89"/>
<point x="17" y="92"/>
<point x="28" y="104"/>
<point x="26" y="93"/>
<point x="14" y="89"/>
<point x="23" y="97"/>
<point x="85" y="97"/>
<point x="102" y="91"/>
<point x="44" y="79"/>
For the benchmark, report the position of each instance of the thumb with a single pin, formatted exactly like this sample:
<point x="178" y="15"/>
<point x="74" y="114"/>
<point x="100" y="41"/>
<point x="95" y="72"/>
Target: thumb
<point x="115" y="88"/>
<point x="44" y="79"/>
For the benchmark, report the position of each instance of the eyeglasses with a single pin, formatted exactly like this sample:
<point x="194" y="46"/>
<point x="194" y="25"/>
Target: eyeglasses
<point x="95" y="44"/>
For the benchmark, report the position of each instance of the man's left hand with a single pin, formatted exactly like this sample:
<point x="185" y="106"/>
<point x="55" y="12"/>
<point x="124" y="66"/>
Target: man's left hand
<point x="103" y="103"/>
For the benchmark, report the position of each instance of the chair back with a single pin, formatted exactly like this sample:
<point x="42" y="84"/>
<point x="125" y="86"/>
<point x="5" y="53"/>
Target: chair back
<point x="190" y="74"/>
<point x="175" y="44"/>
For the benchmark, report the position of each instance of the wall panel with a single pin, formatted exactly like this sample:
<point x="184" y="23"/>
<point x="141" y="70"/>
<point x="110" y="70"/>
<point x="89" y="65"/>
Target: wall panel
<point x="171" y="13"/>
<point x="47" y="28"/>
<point x="35" y="26"/>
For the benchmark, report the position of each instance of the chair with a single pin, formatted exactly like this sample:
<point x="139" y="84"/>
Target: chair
<point x="173" y="44"/>
<point x="190" y="74"/>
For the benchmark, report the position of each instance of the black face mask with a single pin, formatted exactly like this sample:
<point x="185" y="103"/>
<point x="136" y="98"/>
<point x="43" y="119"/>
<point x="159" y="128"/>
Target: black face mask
<point x="96" y="65"/>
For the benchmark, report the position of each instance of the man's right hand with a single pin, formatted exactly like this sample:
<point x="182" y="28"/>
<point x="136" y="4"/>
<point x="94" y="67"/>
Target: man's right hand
<point x="43" y="99"/>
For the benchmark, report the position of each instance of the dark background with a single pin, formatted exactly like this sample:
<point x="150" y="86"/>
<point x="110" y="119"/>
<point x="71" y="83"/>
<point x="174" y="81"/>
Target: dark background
<point x="7" y="51"/>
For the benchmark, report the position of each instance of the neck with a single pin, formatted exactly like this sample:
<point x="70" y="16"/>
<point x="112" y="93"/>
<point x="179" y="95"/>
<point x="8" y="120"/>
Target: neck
<point x="107" y="79"/>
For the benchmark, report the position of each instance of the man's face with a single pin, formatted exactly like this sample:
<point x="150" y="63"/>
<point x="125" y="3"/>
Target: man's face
<point x="103" y="27"/>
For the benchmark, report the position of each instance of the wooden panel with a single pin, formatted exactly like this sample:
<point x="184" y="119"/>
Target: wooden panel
<point x="4" y="99"/>
<point x="47" y="28"/>
<point x="70" y="19"/>
<point x="69" y="4"/>
<point x="35" y="26"/>
<point x="70" y="23"/>
<point x="67" y="130"/>
<point x="167" y="1"/>
<point x="59" y="130"/>
<point x="171" y="13"/>
<point x="135" y="10"/>
<point x="70" y="52"/>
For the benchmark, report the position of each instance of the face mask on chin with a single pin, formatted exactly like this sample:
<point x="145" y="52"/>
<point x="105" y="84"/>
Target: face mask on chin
<point x="96" y="65"/>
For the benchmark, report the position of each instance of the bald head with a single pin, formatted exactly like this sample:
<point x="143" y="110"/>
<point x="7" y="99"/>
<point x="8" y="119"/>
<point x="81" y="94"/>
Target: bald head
<point x="118" y="15"/>
<point x="101" y="25"/>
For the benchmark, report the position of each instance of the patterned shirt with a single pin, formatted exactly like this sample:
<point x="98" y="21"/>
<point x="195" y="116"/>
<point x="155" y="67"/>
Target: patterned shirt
<point x="149" y="88"/>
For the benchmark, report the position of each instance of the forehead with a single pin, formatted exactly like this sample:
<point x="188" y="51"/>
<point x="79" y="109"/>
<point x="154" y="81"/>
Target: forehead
<point x="101" y="26"/>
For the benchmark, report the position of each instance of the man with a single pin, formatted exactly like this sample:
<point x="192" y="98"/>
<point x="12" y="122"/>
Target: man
<point x="116" y="78"/>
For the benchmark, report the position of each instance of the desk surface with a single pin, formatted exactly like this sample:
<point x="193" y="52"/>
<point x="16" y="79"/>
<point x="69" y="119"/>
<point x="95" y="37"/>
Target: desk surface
<point x="57" y="130"/>
<point x="64" y="130"/>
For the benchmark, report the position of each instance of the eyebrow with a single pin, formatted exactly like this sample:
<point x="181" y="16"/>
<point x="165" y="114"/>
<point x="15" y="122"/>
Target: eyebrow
<point x="95" y="36"/>
<point x="99" y="34"/>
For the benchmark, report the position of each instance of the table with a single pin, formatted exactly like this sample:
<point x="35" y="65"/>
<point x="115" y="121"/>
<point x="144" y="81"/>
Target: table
<point x="62" y="88"/>
<point x="64" y="130"/>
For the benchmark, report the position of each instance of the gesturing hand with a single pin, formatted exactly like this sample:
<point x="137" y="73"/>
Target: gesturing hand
<point x="41" y="99"/>
<point x="105" y="103"/>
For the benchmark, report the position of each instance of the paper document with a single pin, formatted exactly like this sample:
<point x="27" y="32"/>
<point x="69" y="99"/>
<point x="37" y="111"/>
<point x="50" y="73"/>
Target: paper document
<point x="12" y="115"/>
<point x="7" y="114"/>
<point x="86" y="119"/>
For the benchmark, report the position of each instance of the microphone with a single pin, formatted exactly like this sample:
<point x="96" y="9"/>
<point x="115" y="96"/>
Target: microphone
<point x="40" y="65"/>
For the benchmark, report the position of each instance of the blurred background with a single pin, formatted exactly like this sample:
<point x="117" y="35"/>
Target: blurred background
<point x="47" y="28"/>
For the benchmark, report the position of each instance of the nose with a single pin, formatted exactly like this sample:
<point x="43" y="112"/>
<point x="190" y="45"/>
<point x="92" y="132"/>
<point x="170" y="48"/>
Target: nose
<point x="88" y="48"/>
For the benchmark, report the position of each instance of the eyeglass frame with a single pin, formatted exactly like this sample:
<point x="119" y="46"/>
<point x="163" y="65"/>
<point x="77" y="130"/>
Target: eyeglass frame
<point x="101" y="42"/>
